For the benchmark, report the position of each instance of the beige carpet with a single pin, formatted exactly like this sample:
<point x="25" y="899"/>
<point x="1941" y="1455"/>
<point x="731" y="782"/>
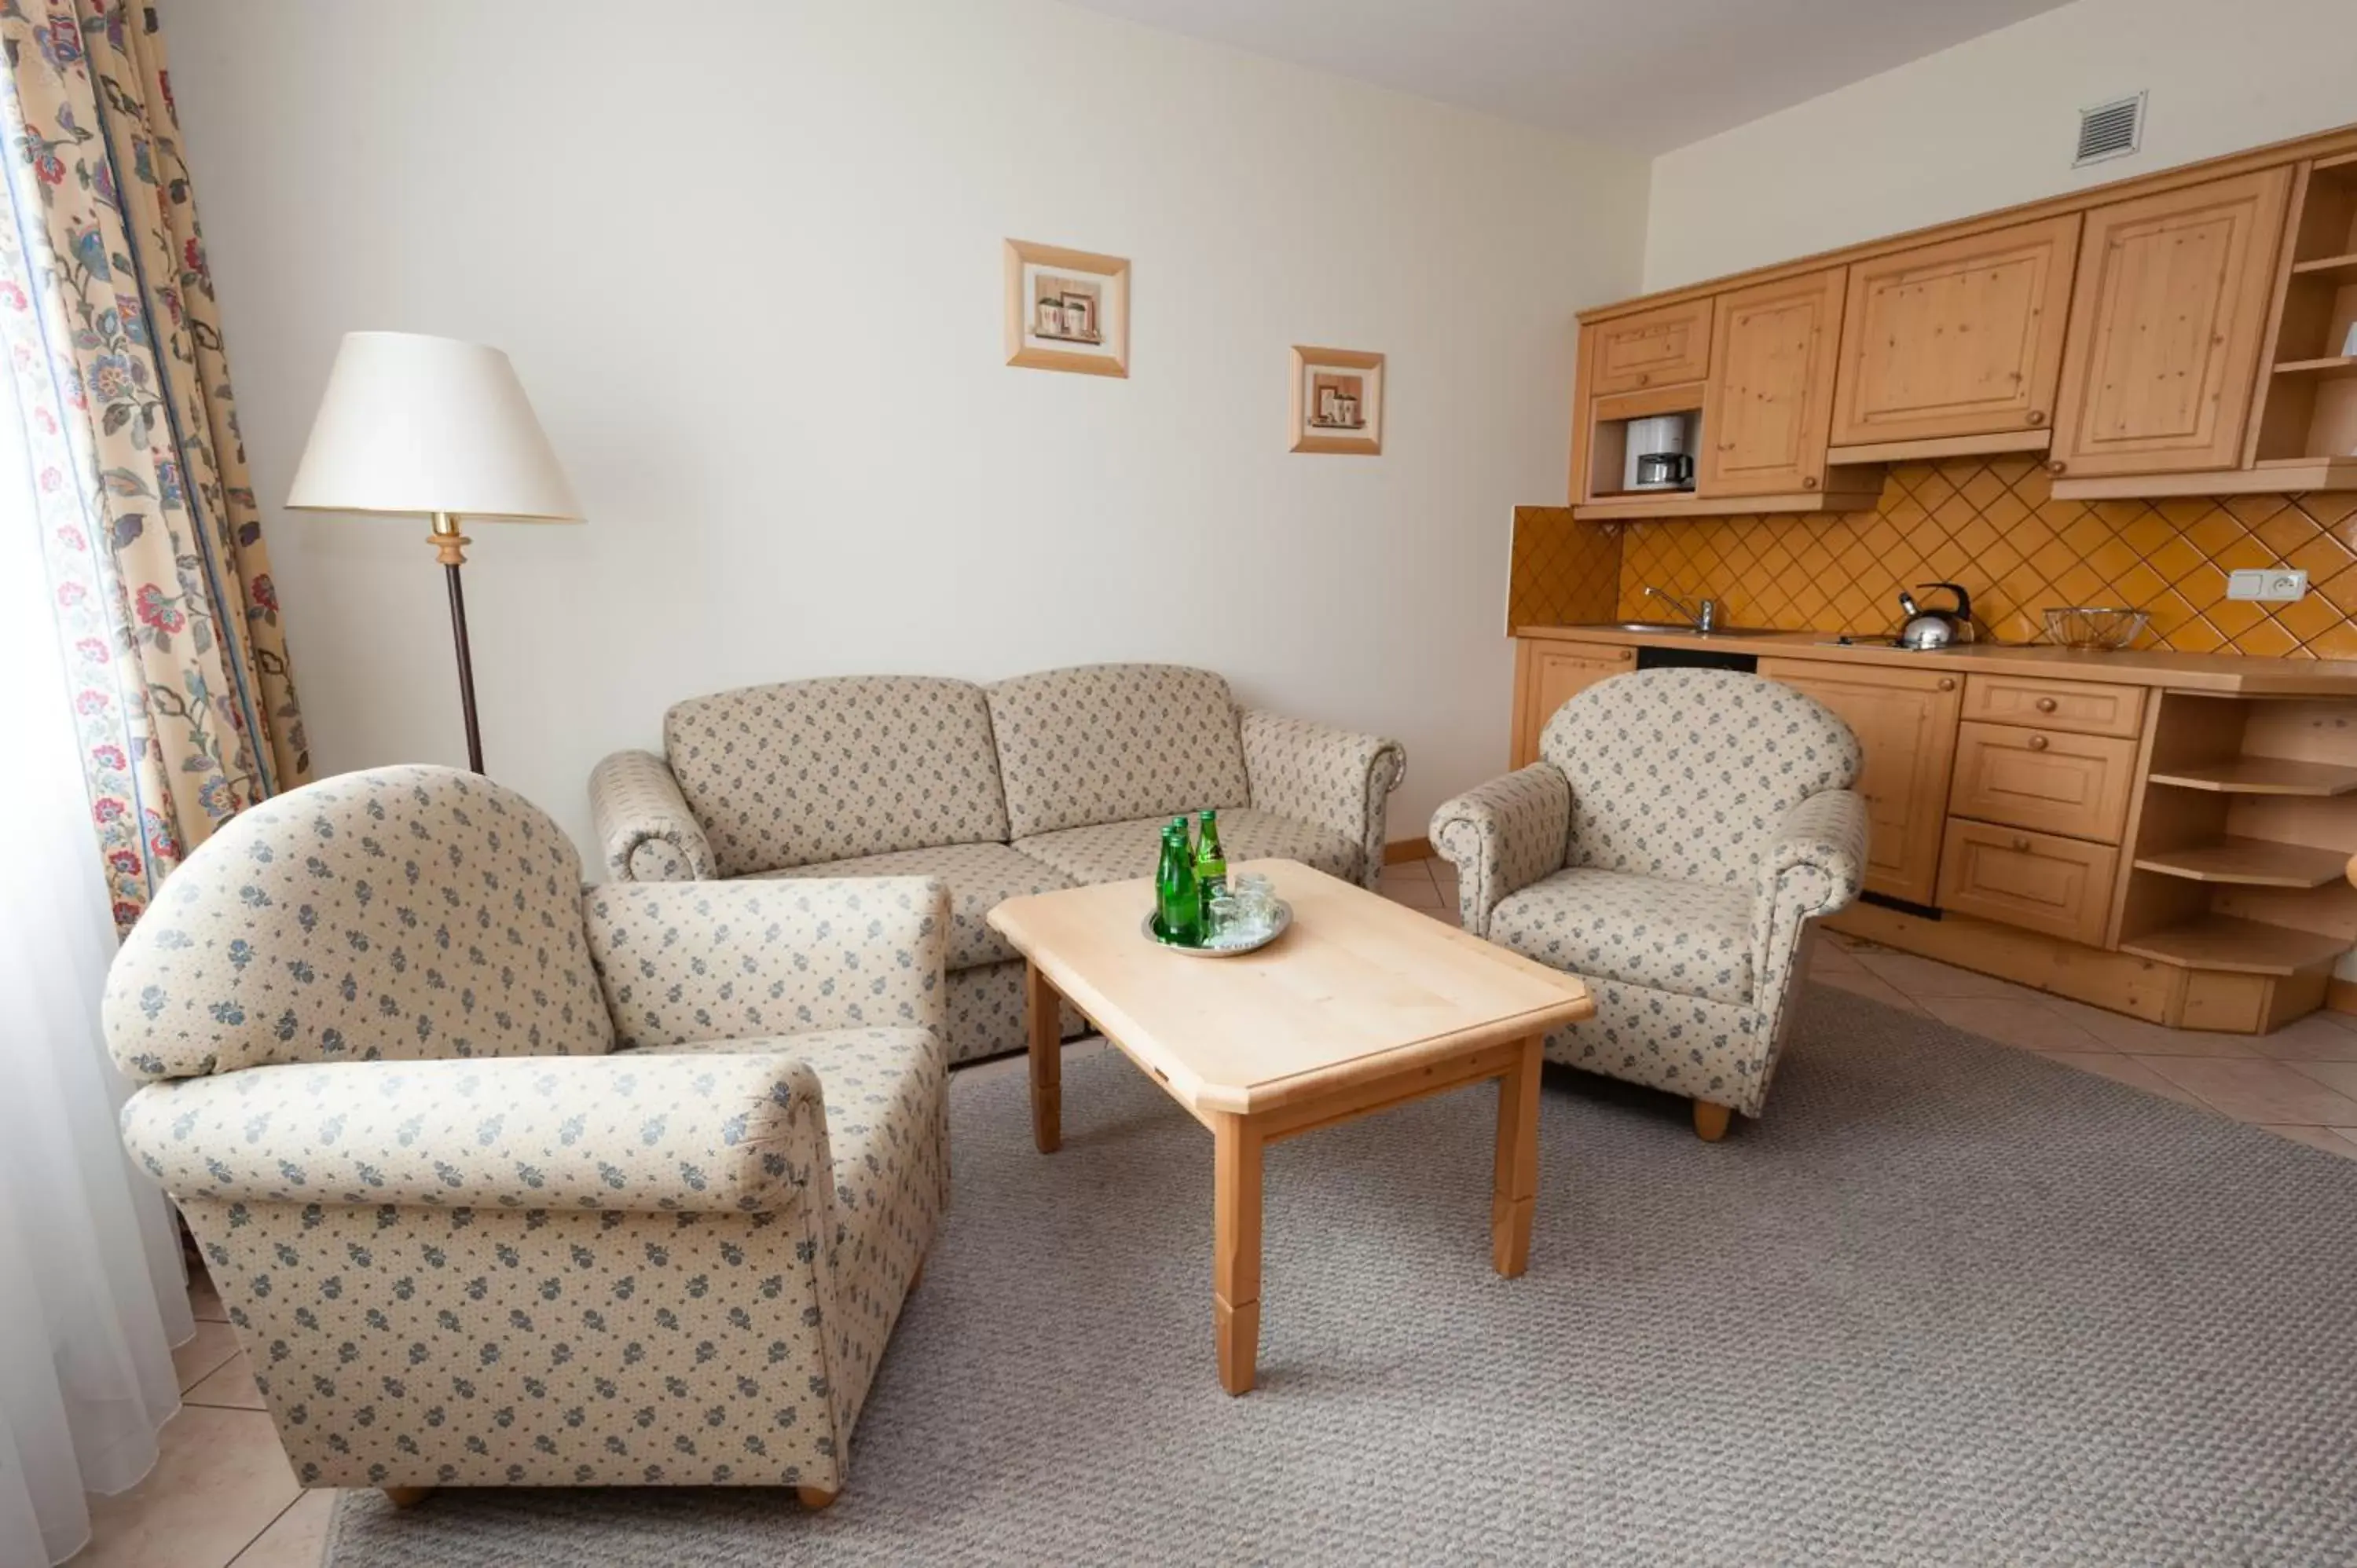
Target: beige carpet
<point x="1949" y="1304"/>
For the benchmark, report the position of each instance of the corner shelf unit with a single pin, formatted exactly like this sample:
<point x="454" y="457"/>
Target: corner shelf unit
<point x="2238" y="847"/>
<point x="2306" y="411"/>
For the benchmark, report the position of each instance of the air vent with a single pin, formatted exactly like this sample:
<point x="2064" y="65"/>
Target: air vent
<point x="2111" y="130"/>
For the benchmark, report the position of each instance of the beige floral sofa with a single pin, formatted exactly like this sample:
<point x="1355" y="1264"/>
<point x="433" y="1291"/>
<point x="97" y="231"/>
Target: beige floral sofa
<point x="1671" y="845"/>
<point x="505" y="1183"/>
<point x="1056" y="779"/>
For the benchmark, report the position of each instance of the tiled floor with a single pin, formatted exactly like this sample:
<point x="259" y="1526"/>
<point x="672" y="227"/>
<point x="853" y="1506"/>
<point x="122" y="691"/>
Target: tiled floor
<point x="223" y="1496"/>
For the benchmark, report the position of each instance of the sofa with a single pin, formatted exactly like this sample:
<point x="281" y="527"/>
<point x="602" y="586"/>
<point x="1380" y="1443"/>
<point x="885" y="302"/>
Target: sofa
<point x="505" y="1183"/>
<point x="1056" y="780"/>
<point x="1679" y="832"/>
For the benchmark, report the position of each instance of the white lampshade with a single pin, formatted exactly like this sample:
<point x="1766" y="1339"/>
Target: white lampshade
<point x="410" y="423"/>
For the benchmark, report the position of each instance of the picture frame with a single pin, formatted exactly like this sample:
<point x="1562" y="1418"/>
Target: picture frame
<point x="1338" y="401"/>
<point x="1067" y="310"/>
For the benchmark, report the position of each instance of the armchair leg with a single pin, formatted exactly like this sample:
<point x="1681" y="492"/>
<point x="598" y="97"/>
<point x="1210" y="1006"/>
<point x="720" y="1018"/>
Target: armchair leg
<point x="1710" y="1120"/>
<point x="815" y="1497"/>
<point x="406" y="1496"/>
<point x="916" y="1279"/>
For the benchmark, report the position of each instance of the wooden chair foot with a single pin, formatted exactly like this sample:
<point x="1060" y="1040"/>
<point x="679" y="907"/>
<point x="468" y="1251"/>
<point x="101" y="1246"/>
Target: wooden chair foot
<point x="1710" y="1120"/>
<point x="406" y="1496"/>
<point x="916" y="1279"/>
<point x="815" y="1497"/>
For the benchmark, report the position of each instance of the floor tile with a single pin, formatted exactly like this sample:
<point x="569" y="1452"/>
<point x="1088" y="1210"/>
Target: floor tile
<point x="231" y="1387"/>
<point x="2338" y="1076"/>
<point x="2125" y="1070"/>
<point x="2324" y="1138"/>
<point x="204" y="1354"/>
<point x="2137" y="1038"/>
<point x="2012" y="1021"/>
<point x="1923" y="978"/>
<point x="1409" y="884"/>
<point x="1830" y="957"/>
<point x="1863" y="984"/>
<point x="221" y="1480"/>
<point x="204" y="1300"/>
<point x="297" y="1539"/>
<point x="2320" y="1036"/>
<point x="2251" y="1091"/>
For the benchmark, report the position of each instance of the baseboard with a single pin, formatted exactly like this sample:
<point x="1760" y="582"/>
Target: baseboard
<point x="1399" y="850"/>
<point x="2340" y="996"/>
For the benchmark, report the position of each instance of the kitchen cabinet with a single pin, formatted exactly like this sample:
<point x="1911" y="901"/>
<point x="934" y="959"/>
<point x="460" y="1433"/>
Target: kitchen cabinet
<point x="1905" y="721"/>
<point x="2050" y="779"/>
<point x="1960" y="338"/>
<point x="1767" y="403"/>
<point x="1651" y="349"/>
<point x="2039" y="882"/>
<point x="1548" y="674"/>
<point x="2168" y="313"/>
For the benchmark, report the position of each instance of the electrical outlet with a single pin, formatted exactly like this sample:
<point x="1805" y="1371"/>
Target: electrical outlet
<point x="2273" y="587"/>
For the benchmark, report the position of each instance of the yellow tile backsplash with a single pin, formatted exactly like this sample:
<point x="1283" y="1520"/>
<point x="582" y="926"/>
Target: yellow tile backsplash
<point x="1992" y="524"/>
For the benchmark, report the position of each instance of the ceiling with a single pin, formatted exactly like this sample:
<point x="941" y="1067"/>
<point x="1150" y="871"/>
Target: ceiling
<point x="1645" y="75"/>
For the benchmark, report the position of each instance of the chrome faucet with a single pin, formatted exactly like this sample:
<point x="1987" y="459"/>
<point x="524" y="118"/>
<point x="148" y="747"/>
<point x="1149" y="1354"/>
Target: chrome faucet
<point x="1701" y="620"/>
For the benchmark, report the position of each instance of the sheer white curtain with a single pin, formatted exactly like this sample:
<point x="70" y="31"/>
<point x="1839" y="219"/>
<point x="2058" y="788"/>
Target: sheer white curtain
<point x="91" y="1291"/>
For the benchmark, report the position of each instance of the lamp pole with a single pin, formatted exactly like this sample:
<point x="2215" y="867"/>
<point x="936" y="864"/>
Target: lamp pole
<point x="451" y="546"/>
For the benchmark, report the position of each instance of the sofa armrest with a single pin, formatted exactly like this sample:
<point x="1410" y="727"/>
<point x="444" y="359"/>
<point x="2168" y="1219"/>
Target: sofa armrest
<point x="740" y="960"/>
<point x="1503" y="836"/>
<point x="697" y="1133"/>
<point x="1815" y="866"/>
<point x="1317" y="773"/>
<point x="645" y="831"/>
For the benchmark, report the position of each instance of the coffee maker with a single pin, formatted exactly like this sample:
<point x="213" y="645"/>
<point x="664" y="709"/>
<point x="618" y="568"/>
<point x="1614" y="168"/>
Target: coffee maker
<point x="1658" y="454"/>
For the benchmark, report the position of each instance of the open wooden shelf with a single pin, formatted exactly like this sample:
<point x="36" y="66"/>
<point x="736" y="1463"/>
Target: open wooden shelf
<point x="2332" y="366"/>
<point x="2263" y="775"/>
<point x="2250" y="863"/>
<point x="2242" y="947"/>
<point x="2328" y="269"/>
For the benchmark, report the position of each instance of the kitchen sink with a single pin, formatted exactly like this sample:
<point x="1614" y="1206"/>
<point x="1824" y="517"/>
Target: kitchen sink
<point x="1677" y="629"/>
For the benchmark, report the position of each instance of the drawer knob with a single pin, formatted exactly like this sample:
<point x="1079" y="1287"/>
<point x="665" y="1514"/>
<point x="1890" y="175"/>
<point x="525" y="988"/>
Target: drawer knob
<point x="1947" y="682"/>
<point x="1808" y="482"/>
<point x="2058" y="468"/>
<point x="1625" y="655"/>
<point x="2045" y="704"/>
<point x="2036" y="417"/>
<point x="2019" y="846"/>
<point x="2038" y="743"/>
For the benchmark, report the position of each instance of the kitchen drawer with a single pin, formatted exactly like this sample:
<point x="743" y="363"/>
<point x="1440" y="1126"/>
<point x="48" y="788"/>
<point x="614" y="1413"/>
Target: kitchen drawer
<point x="2038" y="881"/>
<point x="2049" y="780"/>
<point x="2083" y="707"/>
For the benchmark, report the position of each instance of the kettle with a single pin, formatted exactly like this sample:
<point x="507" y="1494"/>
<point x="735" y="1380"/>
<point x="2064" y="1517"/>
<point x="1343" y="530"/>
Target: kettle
<point x="1928" y="627"/>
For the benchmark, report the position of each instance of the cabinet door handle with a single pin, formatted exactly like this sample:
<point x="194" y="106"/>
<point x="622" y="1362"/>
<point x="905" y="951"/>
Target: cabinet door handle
<point x="2019" y="846"/>
<point x="2058" y="466"/>
<point x="1947" y="682"/>
<point x="1625" y="655"/>
<point x="1808" y="482"/>
<point x="2036" y="417"/>
<point x="2037" y="743"/>
<point x="1644" y="379"/>
<point x="2045" y="704"/>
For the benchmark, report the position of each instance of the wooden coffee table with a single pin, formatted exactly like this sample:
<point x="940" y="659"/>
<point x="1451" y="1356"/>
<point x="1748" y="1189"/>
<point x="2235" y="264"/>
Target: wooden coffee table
<point x="1362" y="1005"/>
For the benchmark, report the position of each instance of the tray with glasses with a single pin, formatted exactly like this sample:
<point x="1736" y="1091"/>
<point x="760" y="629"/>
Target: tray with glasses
<point x="1199" y="909"/>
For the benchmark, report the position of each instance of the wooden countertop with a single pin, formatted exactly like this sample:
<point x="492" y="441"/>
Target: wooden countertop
<point x="2227" y="674"/>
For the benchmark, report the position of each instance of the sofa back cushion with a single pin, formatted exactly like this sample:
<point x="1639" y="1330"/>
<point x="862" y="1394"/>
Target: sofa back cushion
<point x="399" y="913"/>
<point x="807" y="771"/>
<point x="1106" y="742"/>
<point x="1687" y="774"/>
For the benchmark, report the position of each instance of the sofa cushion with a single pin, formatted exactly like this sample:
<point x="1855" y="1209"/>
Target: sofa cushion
<point x="980" y="875"/>
<point x="1115" y="851"/>
<point x="1111" y="743"/>
<point x="814" y="770"/>
<point x="1691" y="938"/>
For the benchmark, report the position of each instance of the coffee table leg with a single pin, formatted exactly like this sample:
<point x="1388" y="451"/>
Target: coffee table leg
<point x="1040" y="1001"/>
<point x="1514" y="1185"/>
<point x="1236" y="1249"/>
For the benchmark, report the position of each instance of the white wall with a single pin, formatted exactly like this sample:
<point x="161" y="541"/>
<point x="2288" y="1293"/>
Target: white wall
<point x="748" y="263"/>
<point x="1992" y="122"/>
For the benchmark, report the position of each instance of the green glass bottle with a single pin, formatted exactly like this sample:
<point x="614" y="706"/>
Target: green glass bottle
<point x="1210" y="865"/>
<point x="1173" y="890"/>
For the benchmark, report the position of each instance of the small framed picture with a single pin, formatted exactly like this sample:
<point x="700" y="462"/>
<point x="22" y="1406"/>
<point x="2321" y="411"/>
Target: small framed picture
<point x="1067" y="310"/>
<point x="1338" y="401"/>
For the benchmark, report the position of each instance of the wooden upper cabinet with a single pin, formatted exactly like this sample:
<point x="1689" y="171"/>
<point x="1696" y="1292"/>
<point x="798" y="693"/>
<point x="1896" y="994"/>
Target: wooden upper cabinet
<point x="2165" y="319"/>
<point x="1769" y="402"/>
<point x="1963" y="338"/>
<point x="1651" y="349"/>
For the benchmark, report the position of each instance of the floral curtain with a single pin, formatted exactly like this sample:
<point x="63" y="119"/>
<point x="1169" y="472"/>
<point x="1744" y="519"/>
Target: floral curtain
<point x="183" y="699"/>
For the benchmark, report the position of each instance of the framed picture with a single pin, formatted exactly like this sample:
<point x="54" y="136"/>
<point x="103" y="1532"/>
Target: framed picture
<point x="1338" y="400"/>
<point x="1067" y="310"/>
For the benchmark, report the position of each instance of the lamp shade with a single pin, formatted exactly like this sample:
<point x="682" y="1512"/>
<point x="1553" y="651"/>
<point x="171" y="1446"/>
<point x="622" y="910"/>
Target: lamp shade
<point x="410" y="423"/>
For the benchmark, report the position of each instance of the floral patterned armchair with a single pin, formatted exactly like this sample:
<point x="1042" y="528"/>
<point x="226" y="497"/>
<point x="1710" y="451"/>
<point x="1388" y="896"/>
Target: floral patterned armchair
<point x="1678" y="833"/>
<point x="509" y="1184"/>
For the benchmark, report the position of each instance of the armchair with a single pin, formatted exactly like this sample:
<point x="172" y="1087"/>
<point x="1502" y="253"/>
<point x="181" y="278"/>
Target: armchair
<point x="506" y="1184"/>
<point x="1678" y="833"/>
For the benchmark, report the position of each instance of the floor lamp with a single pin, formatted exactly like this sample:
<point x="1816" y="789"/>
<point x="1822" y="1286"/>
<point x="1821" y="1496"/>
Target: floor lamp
<point x="417" y="426"/>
